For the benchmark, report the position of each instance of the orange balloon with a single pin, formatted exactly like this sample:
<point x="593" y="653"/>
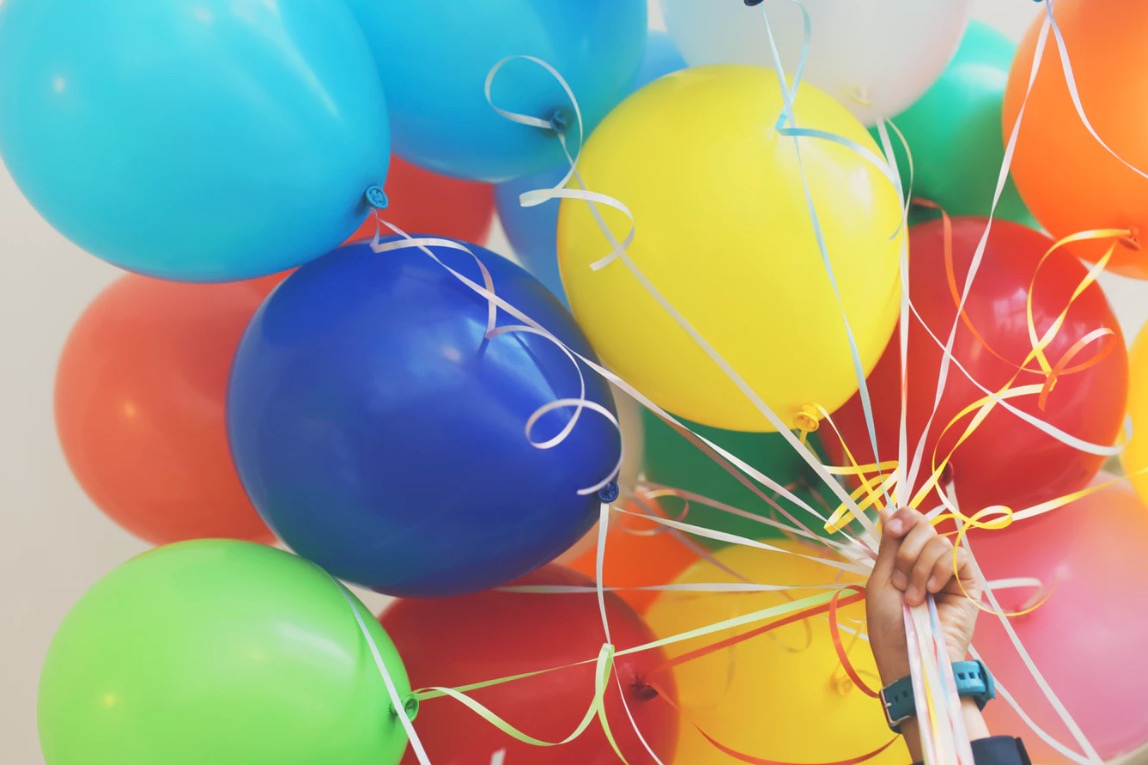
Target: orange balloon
<point x="140" y="394"/>
<point x="1066" y="177"/>
<point x="422" y="202"/>
<point x="639" y="553"/>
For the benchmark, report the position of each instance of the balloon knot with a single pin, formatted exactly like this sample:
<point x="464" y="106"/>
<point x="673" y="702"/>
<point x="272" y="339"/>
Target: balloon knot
<point x="1132" y="241"/>
<point x="410" y="707"/>
<point x="376" y="197"/>
<point x="806" y="420"/>
<point x="559" y="121"/>
<point x="644" y="691"/>
<point x="609" y="492"/>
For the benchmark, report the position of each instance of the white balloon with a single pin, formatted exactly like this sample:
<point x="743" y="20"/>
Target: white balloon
<point x="874" y="56"/>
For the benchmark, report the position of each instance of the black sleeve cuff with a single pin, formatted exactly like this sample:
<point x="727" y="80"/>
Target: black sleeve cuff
<point x="1000" y="750"/>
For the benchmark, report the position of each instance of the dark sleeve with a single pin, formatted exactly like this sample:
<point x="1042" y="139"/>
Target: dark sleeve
<point x="1000" y="750"/>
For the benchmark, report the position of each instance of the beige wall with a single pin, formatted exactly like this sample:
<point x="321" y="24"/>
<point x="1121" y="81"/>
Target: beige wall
<point x="54" y="543"/>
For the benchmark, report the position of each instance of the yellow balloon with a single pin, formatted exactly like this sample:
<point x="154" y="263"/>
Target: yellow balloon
<point x="1135" y="455"/>
<point x="724" y="233"/>
<point x="780" y="696"/>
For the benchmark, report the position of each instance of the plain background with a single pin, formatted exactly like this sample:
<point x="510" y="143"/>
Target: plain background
<point x="54" y="542"/>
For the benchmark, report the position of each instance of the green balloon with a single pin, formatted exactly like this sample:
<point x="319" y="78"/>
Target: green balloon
<point x="220" y="652"/>
<point x="671" y="460"/>
<point x="954" y="132"/>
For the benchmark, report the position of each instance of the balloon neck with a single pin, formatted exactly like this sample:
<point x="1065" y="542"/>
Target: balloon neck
<point x="410" y="707"/>
<point x="842" y="685"/>
<point x="643" y="691"/>
<point x="862" y="95"/>
<point x="559" y="121"/>
<point x="806" y="420"/>
<point x="609" y="492"/>
<point x="1132" y="241"/>
<point x="376" y="197"/>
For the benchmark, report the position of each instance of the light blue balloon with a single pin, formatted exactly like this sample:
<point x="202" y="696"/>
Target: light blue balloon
<point x="197" y="140"/>
<point x="434" y="58"/>
<point x="532" y="231"/>
<point x="662" y="58"/>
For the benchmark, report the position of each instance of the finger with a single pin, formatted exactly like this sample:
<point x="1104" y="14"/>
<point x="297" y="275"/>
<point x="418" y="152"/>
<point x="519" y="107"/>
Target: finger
<point x="901" y="523"/>
<point x="893" y="527"/>
<point x="943" y="570"/>
<point x="936" y="551"/>
<point x="909" y="550"/>
<point x="967" y="581"/>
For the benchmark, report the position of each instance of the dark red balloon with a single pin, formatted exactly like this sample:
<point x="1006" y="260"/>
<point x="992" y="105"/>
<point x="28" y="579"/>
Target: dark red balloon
<point x="422" y="202"/>
<point x="1007" y="461"/>
<point x="455" y="641"/>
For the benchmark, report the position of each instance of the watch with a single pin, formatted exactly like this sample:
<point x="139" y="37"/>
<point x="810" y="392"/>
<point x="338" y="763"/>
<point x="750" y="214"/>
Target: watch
<point x="973" y="681"/>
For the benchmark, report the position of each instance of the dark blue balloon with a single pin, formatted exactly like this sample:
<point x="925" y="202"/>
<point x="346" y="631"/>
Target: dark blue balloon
<point x="382" y="436"/>
<point x="532" y="231"/>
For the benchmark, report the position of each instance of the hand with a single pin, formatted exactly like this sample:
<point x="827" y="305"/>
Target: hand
<point x="915" y="560"/>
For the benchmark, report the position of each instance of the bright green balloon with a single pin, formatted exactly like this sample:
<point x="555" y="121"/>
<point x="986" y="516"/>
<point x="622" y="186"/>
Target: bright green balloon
<point x="218" y="653"/>
<point x="671" y="460"/>
<point x="954" y="132"/>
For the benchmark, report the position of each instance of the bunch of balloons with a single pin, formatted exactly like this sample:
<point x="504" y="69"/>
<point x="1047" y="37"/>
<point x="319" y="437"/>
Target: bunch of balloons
<point x="314" y="347"/>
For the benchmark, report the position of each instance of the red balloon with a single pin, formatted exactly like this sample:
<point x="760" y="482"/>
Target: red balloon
<point x="493" y="634"/>
<point x="140" y="393"/>
<point x="1007" y="461"/>
<point x="422" y="202"/>
<point x="1088" y="638"/>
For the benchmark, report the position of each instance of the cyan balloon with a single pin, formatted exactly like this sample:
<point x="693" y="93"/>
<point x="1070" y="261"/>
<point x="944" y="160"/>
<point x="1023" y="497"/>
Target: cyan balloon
<point x="662" y="58"/>
<point x="532" y="230"/>
<point x="196" y="140"/>
<point x="382" y="434"/>
<point x="434" y="59"/>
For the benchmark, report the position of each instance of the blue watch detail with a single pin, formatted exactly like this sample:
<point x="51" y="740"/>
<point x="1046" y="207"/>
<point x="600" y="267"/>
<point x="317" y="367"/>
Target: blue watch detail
<point x="973" y="681"/>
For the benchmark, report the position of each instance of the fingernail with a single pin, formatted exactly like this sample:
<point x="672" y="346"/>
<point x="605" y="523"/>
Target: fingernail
<point x="899" y="580"/>
<point x="932" y="584"/>
<point x="911" y="594"/>
<point x="896" y="525"/>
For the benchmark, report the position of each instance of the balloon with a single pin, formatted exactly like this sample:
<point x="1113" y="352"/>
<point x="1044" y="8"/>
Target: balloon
<point x="435" y="58"/>
<point x="661" y="58"/>
<point x="196" y="140"/>
<point x="673" y="461"/>
<point x="494" y="634"/>
<point x="419" y="200"/>
<point x="1006" y="460"/>
<point x="1135" y="455"/>
<point x="532" y="231"/>
<point x="1088" y="635"/>
<point x="383" y="436"/>
<point x="782" y="696"/>
<point x="1067" y="178"/>
<point x="140" y="394"/>
<point x="874" y="56"/>
<point x="954" y="131"/>
<point x="724" y="234"/>
<point x="218" y="651"/>
<point x="639" y="553"/>
<point x="630" y="424"/>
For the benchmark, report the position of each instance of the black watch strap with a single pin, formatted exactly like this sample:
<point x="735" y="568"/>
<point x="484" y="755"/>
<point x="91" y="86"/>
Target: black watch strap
<point x="999" y="750"/>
